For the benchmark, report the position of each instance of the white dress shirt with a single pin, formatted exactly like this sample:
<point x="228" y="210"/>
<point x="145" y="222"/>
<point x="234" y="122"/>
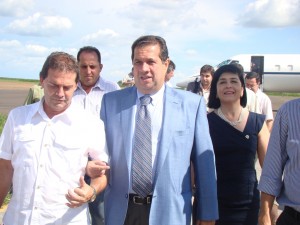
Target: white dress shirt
<point x="92" y="101"/>
<point x="48" y="157"/>
<point x="265" y="104"/>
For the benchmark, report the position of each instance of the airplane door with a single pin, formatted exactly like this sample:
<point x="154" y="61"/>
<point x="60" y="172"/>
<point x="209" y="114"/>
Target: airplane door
<point x="257" y="65"/>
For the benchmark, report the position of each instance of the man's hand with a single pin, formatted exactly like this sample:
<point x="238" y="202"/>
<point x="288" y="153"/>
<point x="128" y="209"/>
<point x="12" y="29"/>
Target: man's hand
<point x="96" y="168"/>
<point x="80" y="195"/>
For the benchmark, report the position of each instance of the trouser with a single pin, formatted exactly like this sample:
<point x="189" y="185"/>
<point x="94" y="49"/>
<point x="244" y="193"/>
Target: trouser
<point x="138" y="210"/>
<point x="97" y="210"/>
<point x="289" y="216"/>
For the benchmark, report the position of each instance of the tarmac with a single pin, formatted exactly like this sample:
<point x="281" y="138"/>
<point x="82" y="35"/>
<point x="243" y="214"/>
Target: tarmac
<point x="12" y="95"/>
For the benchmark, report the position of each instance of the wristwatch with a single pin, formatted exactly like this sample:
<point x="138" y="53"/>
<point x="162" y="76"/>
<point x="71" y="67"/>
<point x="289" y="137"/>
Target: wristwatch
<point x="94" y="194"/>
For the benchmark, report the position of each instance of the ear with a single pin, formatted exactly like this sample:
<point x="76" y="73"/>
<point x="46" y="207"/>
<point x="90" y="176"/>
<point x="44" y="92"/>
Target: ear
<point x="41" y="82"/>
<point x="166" y="64"/>
<point x="101" y="67"/>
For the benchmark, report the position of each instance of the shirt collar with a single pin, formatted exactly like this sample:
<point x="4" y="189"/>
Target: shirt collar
<point x="65" y="115"/>
<point x="155" y="97"/>
<point x="99" y="84"/>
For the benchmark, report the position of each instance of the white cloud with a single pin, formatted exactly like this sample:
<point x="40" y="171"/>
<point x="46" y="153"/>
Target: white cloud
<point x="15" y="7"/>
<point x="15" y="47"/>
<point x="194" y="19"/>
<point x="271" y="13"/>
<point x="100" y="36"/>
<point x="37" y="49"/>
<point x="40" y="25"/>
<point x="4" y="44"/>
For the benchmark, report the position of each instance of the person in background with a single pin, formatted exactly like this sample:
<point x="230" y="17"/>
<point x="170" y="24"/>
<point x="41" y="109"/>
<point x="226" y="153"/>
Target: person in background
<point x="252" y="100"/>
<point x="91" y="88"/>
<point x="237" y="136"/>
<point x="44" y="150"/>
<point x="128" y="80"/>
<point x="35" y="94"/>
<point x="281" y="172"/>
<point x="253" y="83"/>
<point x="179" y="134"/>
<point x="170" y="73"/>
<point x="202" y="86"/>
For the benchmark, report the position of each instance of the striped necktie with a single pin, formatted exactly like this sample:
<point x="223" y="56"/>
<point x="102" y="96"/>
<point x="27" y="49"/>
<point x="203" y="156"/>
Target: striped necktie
<point x="142" y="150"/>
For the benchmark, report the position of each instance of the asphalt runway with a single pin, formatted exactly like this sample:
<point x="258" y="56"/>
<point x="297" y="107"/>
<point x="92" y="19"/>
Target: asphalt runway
<point x="12" y="94"/>
<point x="11" y="98"/>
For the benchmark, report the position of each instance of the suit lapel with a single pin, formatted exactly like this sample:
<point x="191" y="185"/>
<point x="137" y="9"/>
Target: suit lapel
<point x="127" y="103"/>
<point x="171" y="107"/>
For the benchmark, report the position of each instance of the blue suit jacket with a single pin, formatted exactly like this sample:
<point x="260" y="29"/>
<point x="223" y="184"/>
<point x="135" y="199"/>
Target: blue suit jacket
<point x="185" y="138"/>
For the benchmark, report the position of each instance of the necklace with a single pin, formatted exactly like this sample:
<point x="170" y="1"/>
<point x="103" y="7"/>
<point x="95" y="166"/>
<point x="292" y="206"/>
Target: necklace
<point x="232" y="123"/>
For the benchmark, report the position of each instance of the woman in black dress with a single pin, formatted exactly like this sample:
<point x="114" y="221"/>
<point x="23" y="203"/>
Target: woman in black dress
<point x="238" y="136"/>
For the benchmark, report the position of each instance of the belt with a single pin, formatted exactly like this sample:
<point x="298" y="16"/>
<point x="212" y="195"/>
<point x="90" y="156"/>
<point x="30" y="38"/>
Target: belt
<point x="136" y="199"/>
<point x="292" y="212"/>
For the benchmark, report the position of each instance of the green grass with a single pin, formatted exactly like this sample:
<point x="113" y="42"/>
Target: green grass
<point x="283" y="94"/>
<point x="7" y="199"/>
<point x="18" y="79"/>
<point x="2" y="121"/>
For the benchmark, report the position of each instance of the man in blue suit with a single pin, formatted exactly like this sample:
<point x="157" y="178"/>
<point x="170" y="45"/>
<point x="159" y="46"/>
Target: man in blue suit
<point x="180" y="134"/>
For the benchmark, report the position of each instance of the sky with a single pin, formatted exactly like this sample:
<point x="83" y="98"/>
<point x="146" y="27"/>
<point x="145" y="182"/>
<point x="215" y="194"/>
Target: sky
<point x="197" y="32"/>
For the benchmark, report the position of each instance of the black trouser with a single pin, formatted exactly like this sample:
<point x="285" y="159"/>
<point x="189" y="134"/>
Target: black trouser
<point x="137" y="212"/>
<point x="289" y="216"/>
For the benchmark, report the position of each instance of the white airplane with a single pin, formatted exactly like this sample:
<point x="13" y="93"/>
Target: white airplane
<point x="279" y="72"/>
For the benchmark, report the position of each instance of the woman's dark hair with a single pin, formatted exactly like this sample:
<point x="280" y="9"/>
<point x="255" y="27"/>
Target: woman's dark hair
<point x="213" y="101"/>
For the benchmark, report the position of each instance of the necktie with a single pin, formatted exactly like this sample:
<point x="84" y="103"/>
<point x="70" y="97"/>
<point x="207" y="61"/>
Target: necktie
<point x="142" y="150"/>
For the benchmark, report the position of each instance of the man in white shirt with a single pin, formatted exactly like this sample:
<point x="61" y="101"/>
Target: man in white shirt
<point x="91" y="88"/>
<point x="253" y="83"/>
<point x="44" y="150"/>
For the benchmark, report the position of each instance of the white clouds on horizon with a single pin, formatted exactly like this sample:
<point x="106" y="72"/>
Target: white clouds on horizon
<point x="100" y="36"/>
<point x="13" y="47"/>
<point x="271" y="13"/>
<point x="15" y="7"/>
<point x="9" y="44"/>
<point x="195" y="30"/>
<point x="40" y="25"/>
